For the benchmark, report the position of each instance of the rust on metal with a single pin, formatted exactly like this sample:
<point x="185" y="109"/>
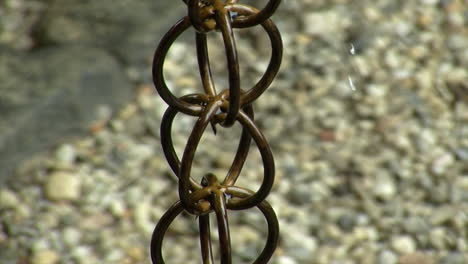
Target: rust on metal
<point x="212" y="108"/>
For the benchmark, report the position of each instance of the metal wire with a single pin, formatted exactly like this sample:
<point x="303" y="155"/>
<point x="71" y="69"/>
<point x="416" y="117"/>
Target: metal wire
<point x="225" y="108"/>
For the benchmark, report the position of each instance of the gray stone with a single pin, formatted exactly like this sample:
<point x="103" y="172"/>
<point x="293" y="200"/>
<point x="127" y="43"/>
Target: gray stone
<point x="43" y="103"/>
<point x="454" y="258"/>
<point x="128" y="29"/>
<point x="416" y="225"/>
<point x="347" y="222"/>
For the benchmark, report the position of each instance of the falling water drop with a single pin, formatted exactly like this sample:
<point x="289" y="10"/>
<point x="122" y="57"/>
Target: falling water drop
<point x="351" y="84"/>
<point x="352" y="50"/>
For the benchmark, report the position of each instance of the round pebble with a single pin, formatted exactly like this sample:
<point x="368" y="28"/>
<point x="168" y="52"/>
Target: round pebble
<point x="63" y="186"/>
<point x="403" y="244"/>
<point x="45" y="257"/>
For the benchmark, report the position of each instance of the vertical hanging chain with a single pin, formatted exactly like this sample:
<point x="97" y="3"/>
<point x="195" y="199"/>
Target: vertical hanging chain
<point x="224" y="108"/>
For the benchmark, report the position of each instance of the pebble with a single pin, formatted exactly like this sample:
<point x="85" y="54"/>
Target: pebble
<point x="384" y="187"/>
<point x="63" y="186"/>
<point x="71" y="236"/>
<point x="45" y="257"/>
<point x="403" y="244"/>
<point x="142" y="217"/>
<point x="321" y="23"/>
<point x="66" y="155"/>
<point x="387" y="257"/>
<point x="416" y="225"/>
<point x="298" y="244"/>
<point x="415" y="258"/>
<point x="438" y="238"/>
<point x="454" y="258"/>
<point x="441" y="163"/>
<point x="285" y="260"/>
<point x="8" y="199"/>
<point x="347" y="222"/>
<point x="118" y="208"/>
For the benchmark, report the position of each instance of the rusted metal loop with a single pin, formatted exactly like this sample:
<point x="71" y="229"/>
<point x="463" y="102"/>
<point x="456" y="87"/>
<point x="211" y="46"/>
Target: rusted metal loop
<point x="224" y="24"/>
<point x="276" y="55"/>
<point x="258" y="17"/>
<point x="204" y="64"/>
<point x="232" y="62"/>
<point x="158" y="75"/>
<point x="270" y="216"/>
<point x="219" y="204"/>
<point x="189" y="154"/>
<point x="205" y="239"/>
<point x="246" y="98"/>
<point x="177" y="208"/>
<point x="173" y="159"/>
<point x="166" y="135"/>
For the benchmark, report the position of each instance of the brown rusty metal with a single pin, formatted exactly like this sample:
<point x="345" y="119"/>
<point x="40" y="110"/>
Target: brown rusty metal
<point x="224" y="108"/>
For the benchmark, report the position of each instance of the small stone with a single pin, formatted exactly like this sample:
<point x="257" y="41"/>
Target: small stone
<point x="415" y="258"/>
<point x="415" y="225"/>
<point x="285" y="260"/>
<point x="96" y="221"/>
<point x="441" y="163"/>
<point x="81" y="253"/>
<point x="384" y="187"/>
<point x="462" y="153"/>
<point x="387" y="257"/>
<point x="63" y="186"/>
<point x="438" y="238"/>
<point x="65" y="155"/>
<point x="45" y="257"/>
<point x="403" y="244"/>
<point x="136" y="253"/>
<point x="142" y="217"/>
<point x="321" y="23"/>
<point x="8" y="199"/>
<point x="117" y="208"/>
<point x="346" y="222"/>
<point x="114" y="255"/>
<point x="71" y="236"/>
<point x="454" y="258"/>
<point x="299" y="244"/>
<point x="365" y="233"/>
<point x="442" y="215"/>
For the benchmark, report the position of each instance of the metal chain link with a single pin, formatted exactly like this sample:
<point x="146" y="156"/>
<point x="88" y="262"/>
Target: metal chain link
<point x="224" y="108"/>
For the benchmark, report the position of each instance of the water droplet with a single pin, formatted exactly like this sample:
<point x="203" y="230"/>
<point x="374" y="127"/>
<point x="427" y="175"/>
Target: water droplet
<point x="352" y="50"/>
<point x="227" y="196"/>
<point x="351" y="84"/>
<point x="233" y="15"/>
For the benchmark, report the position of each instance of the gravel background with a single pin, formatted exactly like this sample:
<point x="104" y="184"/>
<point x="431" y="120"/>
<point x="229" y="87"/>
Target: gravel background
<point x="368" y="122"/>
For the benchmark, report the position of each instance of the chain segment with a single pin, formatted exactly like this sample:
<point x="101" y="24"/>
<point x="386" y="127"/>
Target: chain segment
<point x="224" y="108"/>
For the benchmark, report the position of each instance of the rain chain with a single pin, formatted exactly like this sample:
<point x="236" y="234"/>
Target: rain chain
<point x="218" y="108"/>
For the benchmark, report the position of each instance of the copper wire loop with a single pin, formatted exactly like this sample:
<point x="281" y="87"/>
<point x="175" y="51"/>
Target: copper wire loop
<point x="212" y="108"/>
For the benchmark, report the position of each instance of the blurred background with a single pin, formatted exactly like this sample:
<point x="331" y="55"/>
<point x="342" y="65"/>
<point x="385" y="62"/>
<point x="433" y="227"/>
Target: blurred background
<point x="367" y="120"/>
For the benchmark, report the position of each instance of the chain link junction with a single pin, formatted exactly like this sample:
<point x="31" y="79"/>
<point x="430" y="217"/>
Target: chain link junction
<point x="225" y="108"/>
